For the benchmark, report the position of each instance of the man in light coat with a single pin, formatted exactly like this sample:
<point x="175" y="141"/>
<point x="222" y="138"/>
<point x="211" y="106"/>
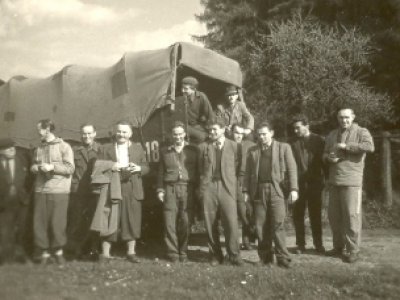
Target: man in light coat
<point x="345" y="150"/>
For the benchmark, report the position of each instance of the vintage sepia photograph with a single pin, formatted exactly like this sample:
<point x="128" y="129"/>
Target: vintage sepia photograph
<point x="199" y="149"/>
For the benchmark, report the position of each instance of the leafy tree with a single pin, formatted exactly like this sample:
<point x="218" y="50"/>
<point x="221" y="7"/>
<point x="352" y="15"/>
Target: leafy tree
<point x="237" y="27"/>
<point x="315" y="69"/>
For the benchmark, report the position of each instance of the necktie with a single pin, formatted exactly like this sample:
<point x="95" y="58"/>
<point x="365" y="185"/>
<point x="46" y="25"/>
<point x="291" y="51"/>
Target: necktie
<point x="9" y="171"/>
<point x="218" y="144"/>
<point x="303" y="142"/>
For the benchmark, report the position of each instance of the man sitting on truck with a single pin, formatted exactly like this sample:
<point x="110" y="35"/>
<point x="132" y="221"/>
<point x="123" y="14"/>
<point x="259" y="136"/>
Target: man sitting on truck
<point x="234" y="111"/>
<point x="194" y="110"/>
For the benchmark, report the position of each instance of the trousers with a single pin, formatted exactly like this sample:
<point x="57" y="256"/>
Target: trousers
<point x="310" y="197"/>
<point x="178" y="217"/>
<point x="219" y="204"/>
<point x="345" y="217"/>
<point x="270" y="213"/>
<point x="50" y="220"/>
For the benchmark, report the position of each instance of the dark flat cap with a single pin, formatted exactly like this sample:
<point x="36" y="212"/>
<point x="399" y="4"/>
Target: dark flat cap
<point x="178" y="124"/>
<point x="6" y="143"/>
<point x="231" y="90"/>
<point x="190" y="80"/>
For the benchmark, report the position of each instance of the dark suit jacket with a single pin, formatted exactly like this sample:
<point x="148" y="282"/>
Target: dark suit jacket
<point x="21" y="181"/>
<point x="284" y="169"/>
<point x="230" y="165"/>
<point x="137" y="156"/>
<point x="170" y="166"/>
<point x="316" y="168"/>
<point x="83" y="169"/>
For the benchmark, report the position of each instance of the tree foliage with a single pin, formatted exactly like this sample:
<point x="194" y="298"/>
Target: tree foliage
<point x="334" y="62"/>
<point x="315" y="69"/>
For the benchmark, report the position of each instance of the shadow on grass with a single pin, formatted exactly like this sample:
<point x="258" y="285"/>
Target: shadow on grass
<point x="154" y="248"/>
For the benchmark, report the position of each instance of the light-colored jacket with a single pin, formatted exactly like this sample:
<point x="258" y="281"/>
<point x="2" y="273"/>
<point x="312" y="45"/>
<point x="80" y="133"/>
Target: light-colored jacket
<point x="59" y="154"/>
<point x="238" y="115"/>
<point x="348" y="171"/>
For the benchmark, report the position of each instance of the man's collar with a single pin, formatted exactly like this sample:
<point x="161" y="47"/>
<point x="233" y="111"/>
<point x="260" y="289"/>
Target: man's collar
<point x="266" y="146"/>
<point x="220" y="141"/>
<point x="49" y="140"/>
<point x="173" y="146"/>
<point x="94" y="147"/>
<point x="119" y="145"/>
<point x="232" y="107"/>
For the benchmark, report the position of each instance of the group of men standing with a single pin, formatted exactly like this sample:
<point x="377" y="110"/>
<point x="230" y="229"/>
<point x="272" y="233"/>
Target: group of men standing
<point x="225" y="172"/>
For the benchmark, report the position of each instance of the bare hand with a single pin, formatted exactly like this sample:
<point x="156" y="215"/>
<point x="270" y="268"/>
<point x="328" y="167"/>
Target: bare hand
<point x="332" y="158"/>
<point x="134" y="168"/>
<point x="341" y="146"/>
<point x="245" y="197"/>
<point x="46" y="167"/>
<point x="116" y="167"/>
<point x="160" y="196"/>
<point x="35" y="168"/>
<point x="294" y="195"/>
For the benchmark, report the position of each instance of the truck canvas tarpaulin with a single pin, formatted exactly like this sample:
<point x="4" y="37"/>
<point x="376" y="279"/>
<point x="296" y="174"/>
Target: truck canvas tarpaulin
<point x="133" y="89"/>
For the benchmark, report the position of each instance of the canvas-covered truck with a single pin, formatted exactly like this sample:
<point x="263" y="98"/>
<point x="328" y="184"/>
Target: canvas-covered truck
<point x="141" y="87"/>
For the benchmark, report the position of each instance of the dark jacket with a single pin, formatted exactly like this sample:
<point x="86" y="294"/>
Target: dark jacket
<point x="106" y="184"/>
<point x="22" y="181"/>
<point x="137" y="156"/>
<point x="230" y="165"/>
<point x="83" y="168"/>
<point x="171" y="169"/>
<point x="284" y="169"/>
<point x="316" y="169"/>
<point x="199" y="110"/>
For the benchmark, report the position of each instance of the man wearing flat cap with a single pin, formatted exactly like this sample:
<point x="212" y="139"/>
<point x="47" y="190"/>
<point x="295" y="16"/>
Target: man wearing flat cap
<point x="14" y="200"/>
<point x="194" y="110"/>
<point x="234" y="111"/>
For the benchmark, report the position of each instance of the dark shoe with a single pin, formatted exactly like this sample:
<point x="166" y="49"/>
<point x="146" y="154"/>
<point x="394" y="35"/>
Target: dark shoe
<point x="21" y="259"/>
<point x="300" y="250"/>
<point x="45" y="260"/>
<point x="263" y="263"/>
<point x="173" y="259"/>
<point x="91" y="256"/>
<point x="60" y="260"/>
<point x="246" y="247"/>
<point x="183" y="259"/>
<point x="236" y="261"/>
<point x="284" y="263"/>
<point x="334" y="253"/>
<point x="214" y="262"/>
<point x="103" y="259"/>
<point x="133" y="258"/>
<point x="352" y="258"/>
<point x="320" y="249"/>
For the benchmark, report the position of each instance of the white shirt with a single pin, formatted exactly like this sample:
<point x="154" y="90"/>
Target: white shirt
<point x="122" y="154"/>
<point x="221" y="141"/>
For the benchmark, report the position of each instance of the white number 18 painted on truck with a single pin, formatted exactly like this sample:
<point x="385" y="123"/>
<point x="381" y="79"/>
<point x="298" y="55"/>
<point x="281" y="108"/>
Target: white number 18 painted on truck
<point x="152" y="151"/>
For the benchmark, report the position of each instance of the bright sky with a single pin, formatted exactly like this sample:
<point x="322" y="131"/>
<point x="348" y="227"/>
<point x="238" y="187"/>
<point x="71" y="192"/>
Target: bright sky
<point x="39" y="37"/>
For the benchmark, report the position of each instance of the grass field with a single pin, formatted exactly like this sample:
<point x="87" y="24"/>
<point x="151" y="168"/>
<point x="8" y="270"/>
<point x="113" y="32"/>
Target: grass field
<point x="376" y="276"/>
